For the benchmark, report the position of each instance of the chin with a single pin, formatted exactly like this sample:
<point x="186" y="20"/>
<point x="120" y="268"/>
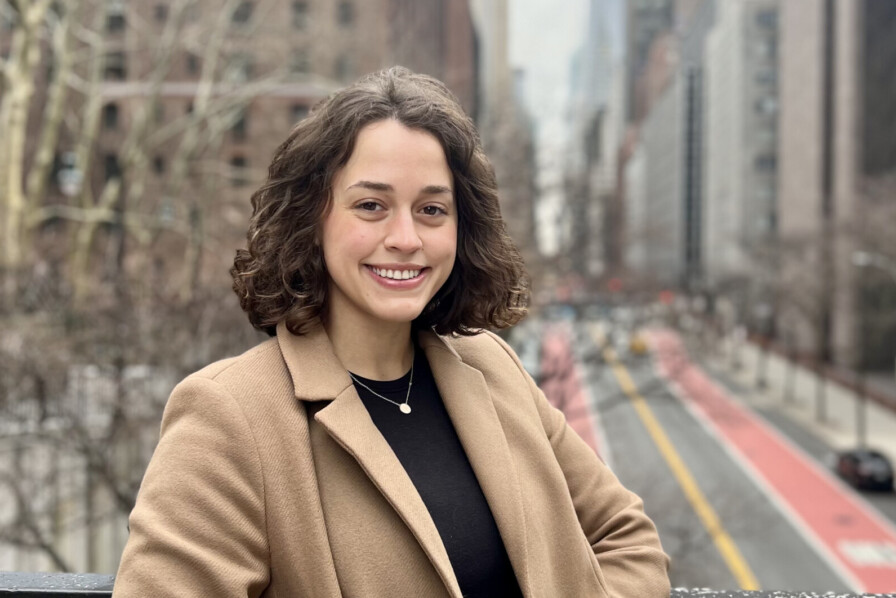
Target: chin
<point x="400" y="316"/>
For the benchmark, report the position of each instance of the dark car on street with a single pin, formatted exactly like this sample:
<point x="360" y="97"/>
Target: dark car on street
<point x="865" y="469"/>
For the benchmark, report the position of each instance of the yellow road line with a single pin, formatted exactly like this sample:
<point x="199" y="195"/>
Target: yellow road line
<point x="725" y="545"/>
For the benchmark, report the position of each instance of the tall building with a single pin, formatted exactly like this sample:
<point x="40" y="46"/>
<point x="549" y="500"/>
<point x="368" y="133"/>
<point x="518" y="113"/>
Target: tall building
<point x="596" y="119"/>
<point x="506" y="128"/>
<point x="645" y="20"/>
<point x="495" y="85"/>
<point x="662" y="235"/>
<point x="672" y="90"/>
<point x="837" y="179"/>
<point x="695" y="19"/>
<point x="435" y="37"/>
<point x="741" y="147"/>
<point x="632" y="190"/>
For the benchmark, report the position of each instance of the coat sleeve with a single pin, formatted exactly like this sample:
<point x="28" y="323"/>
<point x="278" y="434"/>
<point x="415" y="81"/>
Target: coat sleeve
<point x="198" y="527"/>
<point x="622" y="536"/>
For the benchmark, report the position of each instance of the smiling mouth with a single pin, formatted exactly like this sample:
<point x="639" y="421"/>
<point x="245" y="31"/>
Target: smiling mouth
<point x="395" y="274"/>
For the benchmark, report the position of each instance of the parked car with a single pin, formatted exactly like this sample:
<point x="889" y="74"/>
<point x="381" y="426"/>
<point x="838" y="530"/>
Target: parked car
<point x="865" y="469"/>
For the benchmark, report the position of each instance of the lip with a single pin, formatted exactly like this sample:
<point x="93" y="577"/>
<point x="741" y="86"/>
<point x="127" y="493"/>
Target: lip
<point x="389" y="283"/>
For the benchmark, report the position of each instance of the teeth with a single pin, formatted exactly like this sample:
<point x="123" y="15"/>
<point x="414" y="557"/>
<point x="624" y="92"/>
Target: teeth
<point x="397" y="274"/>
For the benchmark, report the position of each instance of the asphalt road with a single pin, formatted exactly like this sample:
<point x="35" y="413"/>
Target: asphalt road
<point x="766" y="542"/>
<point x="776" y="554"/>
<point x="811" y="443"/>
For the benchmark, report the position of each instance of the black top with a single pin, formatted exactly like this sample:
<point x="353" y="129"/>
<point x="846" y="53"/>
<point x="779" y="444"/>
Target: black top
<point x="429" y="450"/>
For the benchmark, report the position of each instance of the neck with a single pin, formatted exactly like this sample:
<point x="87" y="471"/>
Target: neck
<point x="378" y="352"/>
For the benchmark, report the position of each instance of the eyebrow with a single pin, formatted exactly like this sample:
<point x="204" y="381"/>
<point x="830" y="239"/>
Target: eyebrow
<point x="386" y="187"/>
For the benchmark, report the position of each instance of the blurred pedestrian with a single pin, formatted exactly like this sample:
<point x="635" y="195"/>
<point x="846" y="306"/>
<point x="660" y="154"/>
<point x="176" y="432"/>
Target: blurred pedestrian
<point x="381" y="443"/>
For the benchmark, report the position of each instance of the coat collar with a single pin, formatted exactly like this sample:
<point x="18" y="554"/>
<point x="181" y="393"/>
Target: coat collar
<point x="318" y="374"/>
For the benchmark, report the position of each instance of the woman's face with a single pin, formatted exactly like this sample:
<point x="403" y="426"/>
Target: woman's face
<point x="390" y="237"/>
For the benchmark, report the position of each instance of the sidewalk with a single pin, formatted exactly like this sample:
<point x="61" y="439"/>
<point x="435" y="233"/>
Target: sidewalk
<point x="842" y="419"/>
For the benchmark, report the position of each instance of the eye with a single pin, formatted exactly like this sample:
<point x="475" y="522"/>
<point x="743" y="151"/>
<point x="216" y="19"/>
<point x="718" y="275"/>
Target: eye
<point x="434" y="210"/>
<point x="369" y="206"/>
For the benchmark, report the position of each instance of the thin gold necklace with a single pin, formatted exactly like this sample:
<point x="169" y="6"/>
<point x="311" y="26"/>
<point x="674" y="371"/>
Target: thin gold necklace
<point x="403" y="407"/>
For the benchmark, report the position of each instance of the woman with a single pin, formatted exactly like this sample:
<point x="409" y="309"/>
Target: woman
<point x="380" y="444"/>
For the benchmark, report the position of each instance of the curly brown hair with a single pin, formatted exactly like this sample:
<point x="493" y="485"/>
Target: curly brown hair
<point x="281" y="276"/>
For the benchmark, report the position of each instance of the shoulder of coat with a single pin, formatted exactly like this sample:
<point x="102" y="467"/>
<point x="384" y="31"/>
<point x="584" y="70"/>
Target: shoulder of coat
<point x="261" y="360"/>
<point x="484" y="346"/>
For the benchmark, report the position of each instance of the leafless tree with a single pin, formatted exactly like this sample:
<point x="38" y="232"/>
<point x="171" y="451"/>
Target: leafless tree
<point x="104" y="304"/>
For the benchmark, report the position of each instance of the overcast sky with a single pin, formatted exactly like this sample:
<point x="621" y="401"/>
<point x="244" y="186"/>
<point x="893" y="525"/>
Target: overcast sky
<point x="544" y="36"/>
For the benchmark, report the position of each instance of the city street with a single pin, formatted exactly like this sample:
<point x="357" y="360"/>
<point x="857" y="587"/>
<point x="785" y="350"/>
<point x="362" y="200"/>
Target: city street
<point x="742" y="496"/>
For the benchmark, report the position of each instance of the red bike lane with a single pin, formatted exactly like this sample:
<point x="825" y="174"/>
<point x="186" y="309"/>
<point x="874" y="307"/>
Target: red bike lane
<point x="856" y="541"/>
<point x="562" y="382"/>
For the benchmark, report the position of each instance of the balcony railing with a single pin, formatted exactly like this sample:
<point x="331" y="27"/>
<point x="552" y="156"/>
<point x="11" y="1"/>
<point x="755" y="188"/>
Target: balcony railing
<point x="89" y="585"/>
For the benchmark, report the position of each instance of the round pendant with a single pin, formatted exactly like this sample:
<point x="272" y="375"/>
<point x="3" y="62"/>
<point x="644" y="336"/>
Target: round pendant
<point x="405" y="408"/>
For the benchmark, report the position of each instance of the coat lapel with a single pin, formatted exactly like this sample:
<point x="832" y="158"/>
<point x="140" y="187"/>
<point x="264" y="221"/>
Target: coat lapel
<point x="319" y="375"/>
<point x="472" y="411"/>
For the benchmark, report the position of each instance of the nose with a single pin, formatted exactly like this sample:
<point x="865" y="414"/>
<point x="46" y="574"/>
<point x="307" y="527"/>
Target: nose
<point x="402" y="234"/>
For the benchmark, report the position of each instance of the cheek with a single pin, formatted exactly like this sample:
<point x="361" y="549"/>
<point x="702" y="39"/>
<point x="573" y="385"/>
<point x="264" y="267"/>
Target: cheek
<point x="344" y="242"/>
<point x="451" y="244"/>
<point x="445" y="249"/>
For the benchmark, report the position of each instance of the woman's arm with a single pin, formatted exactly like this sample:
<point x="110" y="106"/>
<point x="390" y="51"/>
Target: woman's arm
<point x="198" y="528"/>
<point x="621" y="535"/>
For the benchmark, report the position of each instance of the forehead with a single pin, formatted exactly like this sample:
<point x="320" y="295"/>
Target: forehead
<point x="388" y="148"/>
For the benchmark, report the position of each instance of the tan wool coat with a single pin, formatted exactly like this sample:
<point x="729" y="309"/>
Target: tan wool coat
<point x="270" y="479"/>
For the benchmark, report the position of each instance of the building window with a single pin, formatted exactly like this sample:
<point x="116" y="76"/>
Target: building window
<point x="238" y="168"/>
<point x="300" y="63"/>
<point x="300" y="15"/>
<point x="115" y="19"/>
<point x="192" y="64"/>
<point x="766" y="163"/>
<point x="114" y="66"/>
<point x="239" y="128"/>
<point x="161" y="13"/>
<point x="298" y="112"/>
<point x="344" y="68"/>
<point x="111" y="166"/>
<point x="239" y="68"/>
<point x="346" y="14"/>
<point x="243" y="13"/>
<point x="767" y="19"/>
<point x="766" y="106"/>
<point x="110" y="116"/>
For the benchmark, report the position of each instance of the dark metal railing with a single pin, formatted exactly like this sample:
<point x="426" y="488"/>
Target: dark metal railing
<point x="90" y="585"/>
